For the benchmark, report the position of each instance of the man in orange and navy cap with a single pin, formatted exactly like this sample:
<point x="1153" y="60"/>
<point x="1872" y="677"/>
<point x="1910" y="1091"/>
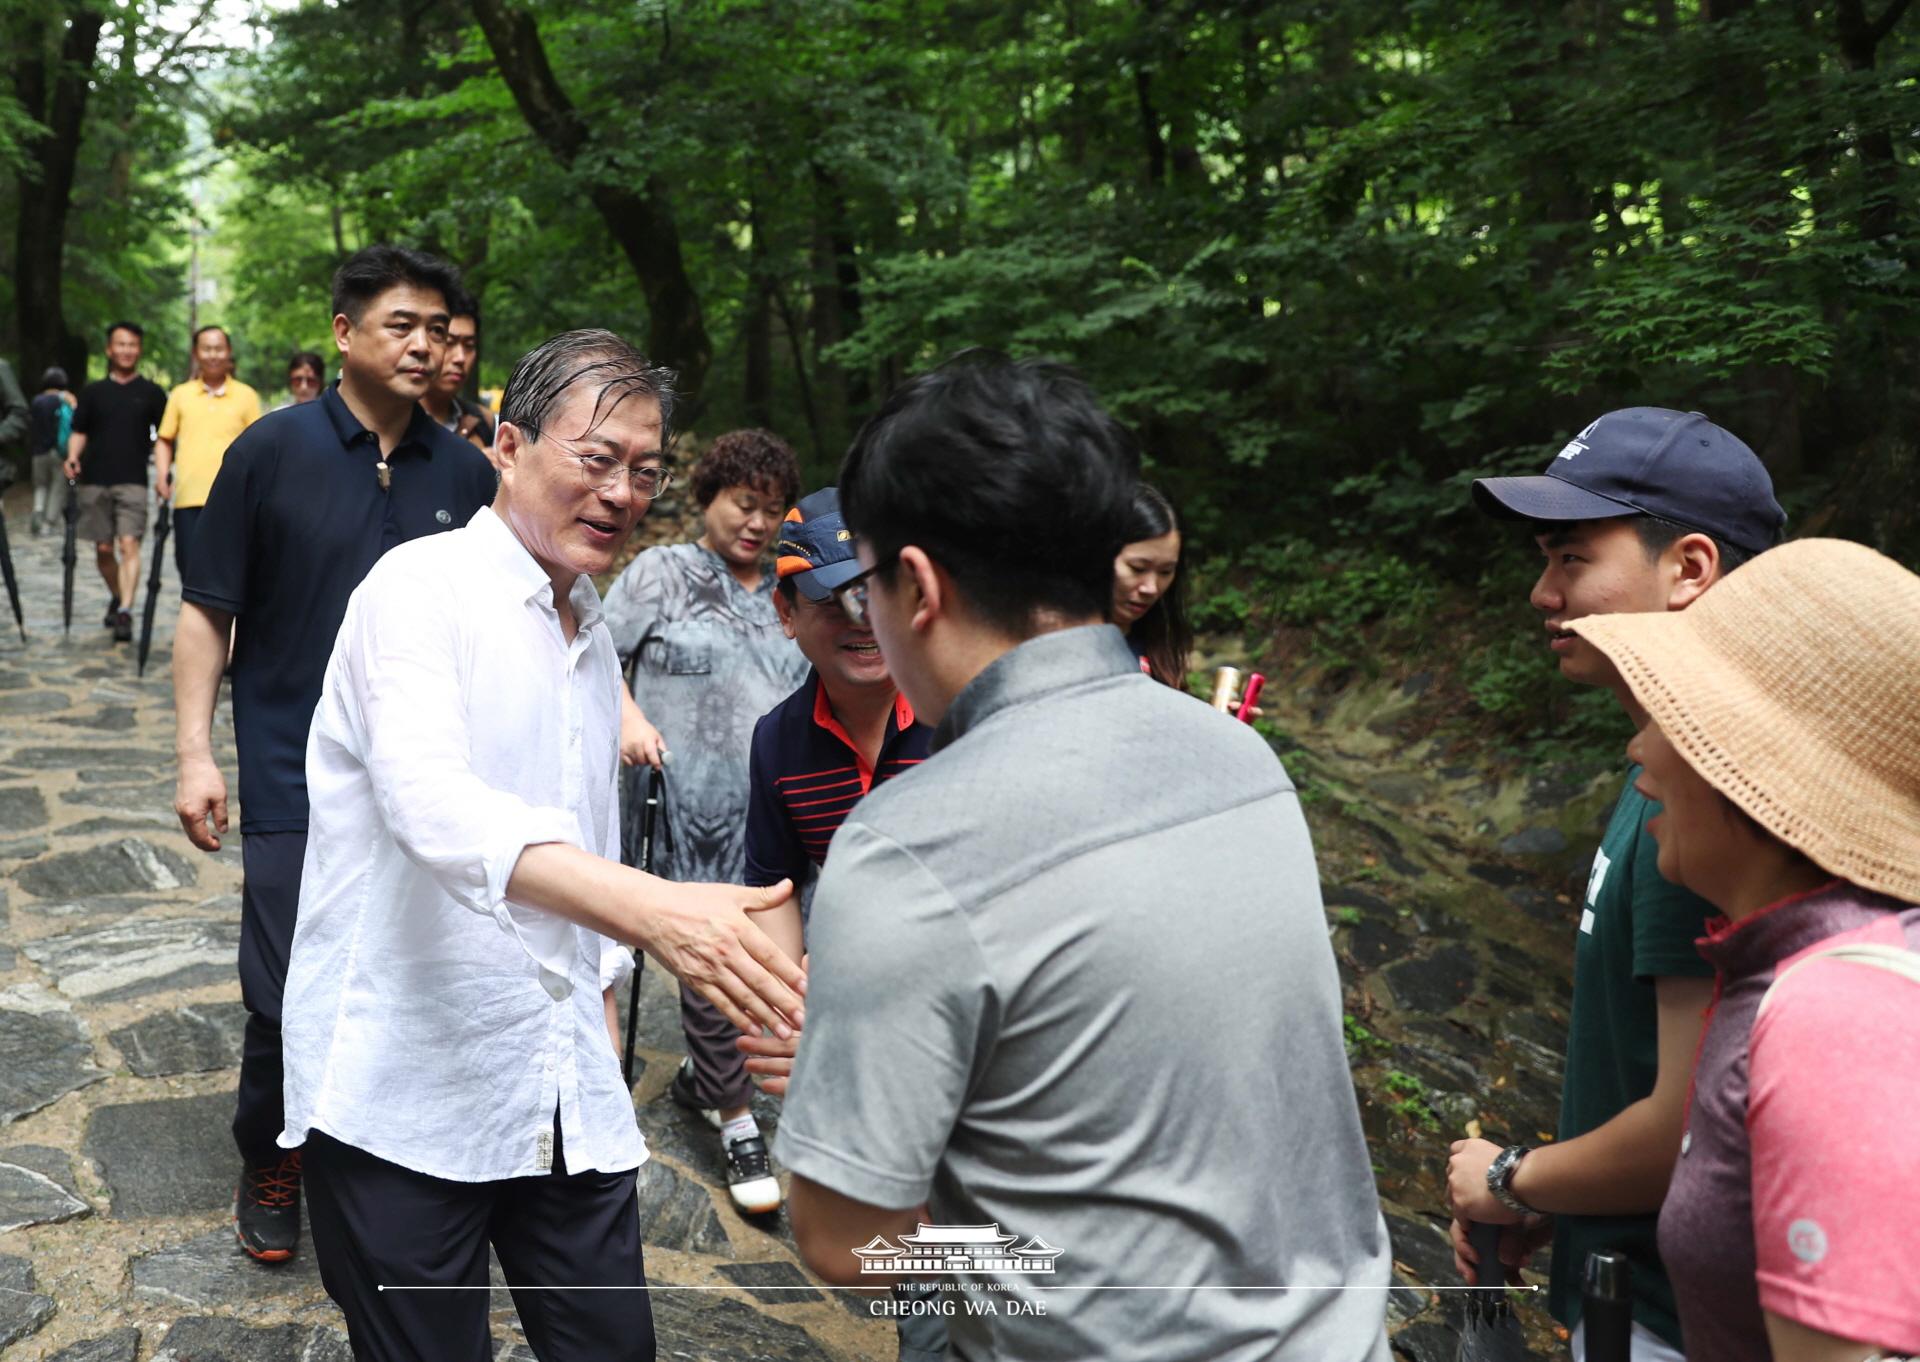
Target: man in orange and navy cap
<point x="823" y="747"/>
<point x="817" y="752"/>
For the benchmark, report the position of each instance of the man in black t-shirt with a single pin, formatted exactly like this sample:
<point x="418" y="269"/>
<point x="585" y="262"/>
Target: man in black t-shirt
<point x="113" y="429"/>
<point x="306" y="500"/>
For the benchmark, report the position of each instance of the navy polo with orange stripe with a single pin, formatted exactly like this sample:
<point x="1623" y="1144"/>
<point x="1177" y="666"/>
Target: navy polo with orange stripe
<point x="806" y="776"/>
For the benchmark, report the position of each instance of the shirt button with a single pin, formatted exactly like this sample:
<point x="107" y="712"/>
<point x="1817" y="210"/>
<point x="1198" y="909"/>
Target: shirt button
<point x="549" y="1063"/>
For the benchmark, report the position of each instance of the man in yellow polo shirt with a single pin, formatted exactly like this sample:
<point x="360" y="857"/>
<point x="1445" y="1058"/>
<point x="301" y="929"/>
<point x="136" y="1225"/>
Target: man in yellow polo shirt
<point x="203" y="416"/>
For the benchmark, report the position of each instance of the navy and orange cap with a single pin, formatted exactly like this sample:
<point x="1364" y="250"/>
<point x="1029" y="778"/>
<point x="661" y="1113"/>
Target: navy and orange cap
<point x="816" y="547"/>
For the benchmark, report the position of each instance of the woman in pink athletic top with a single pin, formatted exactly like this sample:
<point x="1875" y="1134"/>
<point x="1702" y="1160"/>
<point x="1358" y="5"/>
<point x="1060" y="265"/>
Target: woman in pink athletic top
<point x="1782" y="738"/>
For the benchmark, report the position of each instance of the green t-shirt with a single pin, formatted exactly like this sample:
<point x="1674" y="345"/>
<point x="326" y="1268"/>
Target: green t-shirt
<point x="1635" y="927"/>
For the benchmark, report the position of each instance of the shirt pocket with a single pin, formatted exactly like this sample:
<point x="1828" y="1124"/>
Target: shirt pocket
<point x="686" y="648"/>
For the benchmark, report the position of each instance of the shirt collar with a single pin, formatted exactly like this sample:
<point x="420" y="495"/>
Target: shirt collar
<point x="1037" y="668"/>
<point x="823" y="715"/>
<point x="220" y="391"/>
<point x="347" y="426"/>
<point x="501" y="547"/>
<point x="1761" y="940"/>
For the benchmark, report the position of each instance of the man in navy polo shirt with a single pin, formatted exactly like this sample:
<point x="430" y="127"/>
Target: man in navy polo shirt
<point x="306" y="501"/>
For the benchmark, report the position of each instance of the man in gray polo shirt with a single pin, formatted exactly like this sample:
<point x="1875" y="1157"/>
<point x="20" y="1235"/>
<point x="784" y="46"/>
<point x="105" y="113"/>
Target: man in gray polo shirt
<point x="1028" y="951"/>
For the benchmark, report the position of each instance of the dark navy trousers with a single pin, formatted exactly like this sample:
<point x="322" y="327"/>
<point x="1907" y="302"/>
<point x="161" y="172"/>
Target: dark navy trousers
<point x="376" y="1224"/>
<point x="269" y="901"/>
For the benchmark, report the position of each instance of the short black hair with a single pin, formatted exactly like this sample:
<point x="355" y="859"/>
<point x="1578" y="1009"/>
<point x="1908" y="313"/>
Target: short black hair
<point x="56" y="377"/>
<point x="307" y="359"/>
<point x="371" y="271"/>
<point x="746" y="458"/>
<point x="1007" y="472"/>
<point x="135" y="327"/>
<point x="1657" y="535"/>
<point x="544" y="374"/>
<point x="203" y="331"/>
<point x="461" y="303"/>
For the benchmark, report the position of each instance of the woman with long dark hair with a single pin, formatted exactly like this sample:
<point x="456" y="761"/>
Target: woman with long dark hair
<point x="1149" y="589"/>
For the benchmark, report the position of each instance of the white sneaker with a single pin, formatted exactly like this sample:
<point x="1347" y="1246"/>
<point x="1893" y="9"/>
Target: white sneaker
<point x="750" y="1180"/>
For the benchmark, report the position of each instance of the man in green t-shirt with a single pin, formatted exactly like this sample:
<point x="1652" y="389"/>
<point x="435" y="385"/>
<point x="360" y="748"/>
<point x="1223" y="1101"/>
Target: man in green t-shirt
<point x="1644" y="510"/>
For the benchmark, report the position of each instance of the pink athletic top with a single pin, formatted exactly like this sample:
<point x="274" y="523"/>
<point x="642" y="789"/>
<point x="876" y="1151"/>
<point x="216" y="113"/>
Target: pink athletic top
<point x="1821" y="1155"/>
<point x="1831" y="1114"/>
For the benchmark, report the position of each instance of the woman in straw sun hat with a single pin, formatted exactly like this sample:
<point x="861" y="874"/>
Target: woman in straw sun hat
<point x="1783" y="742"/>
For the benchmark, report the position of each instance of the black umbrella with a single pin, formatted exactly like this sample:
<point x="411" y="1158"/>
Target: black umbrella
<point x="68" y="557"/>
<point x="1491" y="1334"/>
<point x="162" y="523"/>
<point x="13" y="582"/>
<point x="649" y="825"/>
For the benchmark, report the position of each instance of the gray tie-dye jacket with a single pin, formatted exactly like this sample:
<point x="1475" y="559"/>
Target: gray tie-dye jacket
<point x="705" y="658"/>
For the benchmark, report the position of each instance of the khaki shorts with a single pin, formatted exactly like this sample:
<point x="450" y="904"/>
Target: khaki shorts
<point x="118" y="511"/>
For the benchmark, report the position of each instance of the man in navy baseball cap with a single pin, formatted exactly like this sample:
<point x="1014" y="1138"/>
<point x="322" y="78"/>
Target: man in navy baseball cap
<point x="1675" y="465"/>
<point x="1644" y="510"/>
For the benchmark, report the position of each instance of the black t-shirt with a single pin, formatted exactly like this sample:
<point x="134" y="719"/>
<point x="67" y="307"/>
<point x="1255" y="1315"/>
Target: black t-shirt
<point x="296" y="519"/>
<point x="119" y="420"/>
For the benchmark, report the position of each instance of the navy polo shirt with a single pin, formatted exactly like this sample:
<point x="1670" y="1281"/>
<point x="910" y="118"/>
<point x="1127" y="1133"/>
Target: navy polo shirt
<point x="295" y="521"/>
<point x="806" y="775"/>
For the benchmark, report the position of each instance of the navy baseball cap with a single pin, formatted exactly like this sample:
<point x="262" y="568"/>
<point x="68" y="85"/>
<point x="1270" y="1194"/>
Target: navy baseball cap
<point x="1677" y="465"/>
<point x="816" y="547"/>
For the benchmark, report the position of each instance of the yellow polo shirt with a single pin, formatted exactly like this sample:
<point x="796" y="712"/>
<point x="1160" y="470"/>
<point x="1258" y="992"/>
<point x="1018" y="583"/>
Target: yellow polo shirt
<point x="201" y="426"/>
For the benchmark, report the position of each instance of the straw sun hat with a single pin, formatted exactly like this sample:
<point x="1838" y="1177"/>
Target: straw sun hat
<point x="1793" y="688"/>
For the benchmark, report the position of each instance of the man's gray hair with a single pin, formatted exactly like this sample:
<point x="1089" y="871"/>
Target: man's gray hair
<point x="597" y="358"/>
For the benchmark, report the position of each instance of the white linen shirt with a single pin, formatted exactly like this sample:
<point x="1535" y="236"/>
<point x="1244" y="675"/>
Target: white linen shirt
<point x="429" y="1021"/>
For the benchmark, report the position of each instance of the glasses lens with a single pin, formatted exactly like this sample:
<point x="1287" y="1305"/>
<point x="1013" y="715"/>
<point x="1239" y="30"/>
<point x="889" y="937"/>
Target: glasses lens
<point x="853" y="601"/>
<point x="603" y="474"/>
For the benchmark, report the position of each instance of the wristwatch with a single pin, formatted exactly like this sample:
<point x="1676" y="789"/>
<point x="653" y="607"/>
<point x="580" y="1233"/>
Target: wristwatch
<point x="1500" y="1178"/>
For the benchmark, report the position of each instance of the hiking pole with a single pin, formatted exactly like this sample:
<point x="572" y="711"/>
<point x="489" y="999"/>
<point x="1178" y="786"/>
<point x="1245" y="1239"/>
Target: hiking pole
<point x="68" y="556"/>
<point x="161" y="524"/>
<point x="649" y="818"/>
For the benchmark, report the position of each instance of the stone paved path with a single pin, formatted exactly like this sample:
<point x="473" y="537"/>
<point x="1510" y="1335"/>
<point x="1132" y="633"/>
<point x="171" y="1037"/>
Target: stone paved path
<point x="1449" y="900"/>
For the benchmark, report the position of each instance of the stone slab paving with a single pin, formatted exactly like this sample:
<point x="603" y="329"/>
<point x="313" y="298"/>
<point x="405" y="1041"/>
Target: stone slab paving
<point x="120" y="1023"/>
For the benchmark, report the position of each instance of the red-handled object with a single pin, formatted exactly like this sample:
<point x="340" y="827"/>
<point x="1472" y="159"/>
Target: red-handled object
<point x="1250" y="698"/>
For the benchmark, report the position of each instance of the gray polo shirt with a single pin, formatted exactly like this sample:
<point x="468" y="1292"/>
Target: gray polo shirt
<point x="1071" y="976"/>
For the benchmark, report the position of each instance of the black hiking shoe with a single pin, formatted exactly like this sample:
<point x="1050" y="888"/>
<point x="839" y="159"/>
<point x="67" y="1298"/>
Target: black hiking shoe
<point x="113" y="612"/>
<point x="681" y="1091"/>
<point x="750" y="1180"/>
<point x="123" y="626"/>
<point x="266" y="1209"/>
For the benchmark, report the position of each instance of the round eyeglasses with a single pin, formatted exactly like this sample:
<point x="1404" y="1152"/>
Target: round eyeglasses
<point x="602" y="473"/>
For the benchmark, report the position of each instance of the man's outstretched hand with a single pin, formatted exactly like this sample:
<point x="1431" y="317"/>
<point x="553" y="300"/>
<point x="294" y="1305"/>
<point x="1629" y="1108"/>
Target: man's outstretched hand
<point x="770" y="1058"/>
<point x="705" y="936"/>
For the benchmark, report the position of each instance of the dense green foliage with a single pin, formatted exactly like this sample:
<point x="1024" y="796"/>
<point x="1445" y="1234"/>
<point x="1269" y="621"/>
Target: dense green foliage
<point x="1332" y="260"/>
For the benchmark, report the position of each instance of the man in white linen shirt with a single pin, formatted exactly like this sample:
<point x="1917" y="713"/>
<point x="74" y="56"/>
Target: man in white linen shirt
<point x="449" y="1060"/>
